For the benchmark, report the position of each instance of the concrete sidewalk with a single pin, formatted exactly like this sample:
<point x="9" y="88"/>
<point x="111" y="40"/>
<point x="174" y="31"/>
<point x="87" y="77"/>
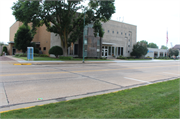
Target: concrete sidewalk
<point x="18" y="60"/>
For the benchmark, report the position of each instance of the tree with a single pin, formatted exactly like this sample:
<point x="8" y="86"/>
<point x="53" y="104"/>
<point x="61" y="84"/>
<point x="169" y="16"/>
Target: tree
<point x="56" y="50"/>
<point x="1" y="43"/>
<point x="173" y="52"/>
<point x="139" y="49"/>
<point x="164" y="47"/>
<point x="61" y="16"/>
<point x="5" y="49"/>
<point x="145" y="42"/>
<point x="23" y="38"/>
<point x="152" y="45"/>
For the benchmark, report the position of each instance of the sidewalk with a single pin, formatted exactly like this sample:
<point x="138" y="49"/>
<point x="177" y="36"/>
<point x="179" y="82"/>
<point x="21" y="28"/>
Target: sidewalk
<point x="18" y="60"/>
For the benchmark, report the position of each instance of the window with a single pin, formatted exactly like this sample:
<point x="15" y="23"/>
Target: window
<point x="117" y="32"/>
<point x="129" y="34"/>
<point x="128" y="51"/>
<point x="121" y="33"/>
<point x="44" y="48"/>
<point x="39" y="48"/>
<point x="112" y="31"/>
<point x="129" y="39"/>
<point x="76" y="49"/>
<point x="128" y="45"/>
<point x="108" y="31"/>
<point x="119" y="51"/>
<point x="125" y="33"/>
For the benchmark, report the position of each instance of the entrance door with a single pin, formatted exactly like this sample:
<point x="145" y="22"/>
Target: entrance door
<point x="104" y="51"/>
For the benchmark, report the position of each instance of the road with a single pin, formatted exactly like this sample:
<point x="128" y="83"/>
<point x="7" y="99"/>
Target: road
<point x="22" y="85"/>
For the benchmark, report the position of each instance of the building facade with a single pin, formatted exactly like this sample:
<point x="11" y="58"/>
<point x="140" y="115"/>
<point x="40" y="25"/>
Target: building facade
<point x="155" y="52"/>
<point x="118" y="39"/>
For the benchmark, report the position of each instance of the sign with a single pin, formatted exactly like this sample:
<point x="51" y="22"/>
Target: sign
<point x="30" y="51"/>
<point x="149" y="51"/>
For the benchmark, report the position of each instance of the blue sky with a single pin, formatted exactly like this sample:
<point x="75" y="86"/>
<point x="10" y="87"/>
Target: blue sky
<point x="152" y="17"/>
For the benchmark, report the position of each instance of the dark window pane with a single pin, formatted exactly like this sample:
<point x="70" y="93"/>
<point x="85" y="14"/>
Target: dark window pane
<point x="44" y="48"/>
<point x="121" y="51"/>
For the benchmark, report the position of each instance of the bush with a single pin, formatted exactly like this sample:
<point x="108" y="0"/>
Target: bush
<point x="56" y="50"/>
<point x="103" y="58"/>
<point x="36" y="55"/>
<point x="121" y="57"/>
<point x="43" y="55"/>
<point x="66" y="58"/>
<point x="36" y="51"/>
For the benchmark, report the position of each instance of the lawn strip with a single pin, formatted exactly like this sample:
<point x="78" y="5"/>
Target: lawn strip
<point x="160" y="100"/>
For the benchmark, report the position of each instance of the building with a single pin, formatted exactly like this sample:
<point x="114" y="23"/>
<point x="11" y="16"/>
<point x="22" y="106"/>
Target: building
<point x="118" y="39"/>
<point x="155" y="52"/>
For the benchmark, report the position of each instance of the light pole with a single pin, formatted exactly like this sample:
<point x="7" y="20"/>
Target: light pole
<point x="83" y="36"/>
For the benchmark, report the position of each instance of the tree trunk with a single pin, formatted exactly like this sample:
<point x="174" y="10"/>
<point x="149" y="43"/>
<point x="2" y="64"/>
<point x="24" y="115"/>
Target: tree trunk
<point x="65" y="51"/>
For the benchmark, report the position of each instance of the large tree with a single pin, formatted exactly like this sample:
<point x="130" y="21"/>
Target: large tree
<point x="173" y="52"/>
<point x="23" y="38"/>
<point x="139" y="49"/>
<point x="152" y="45"/>
<point x="164" y="47"/>
<point x="144" y="41"/>
<point x="62" y="17"/>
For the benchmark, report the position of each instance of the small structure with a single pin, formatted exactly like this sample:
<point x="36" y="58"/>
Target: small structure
<point x="155" y="53"/>
<point x="30" y="52"/>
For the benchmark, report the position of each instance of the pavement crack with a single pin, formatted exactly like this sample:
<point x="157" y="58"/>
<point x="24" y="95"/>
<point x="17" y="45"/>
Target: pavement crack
<point x="5" y="93"/>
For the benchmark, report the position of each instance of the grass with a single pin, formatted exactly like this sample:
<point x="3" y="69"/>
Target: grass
<point x="160" y="100"/>
<point x="57" y="59"/>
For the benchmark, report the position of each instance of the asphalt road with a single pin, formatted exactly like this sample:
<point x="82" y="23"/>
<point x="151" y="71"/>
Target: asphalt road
<point x="24" y="84"/>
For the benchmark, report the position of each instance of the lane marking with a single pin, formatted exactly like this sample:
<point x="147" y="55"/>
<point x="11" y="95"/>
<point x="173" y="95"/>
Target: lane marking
<point x="138" y="80"/>
<point x="82" y="71"/>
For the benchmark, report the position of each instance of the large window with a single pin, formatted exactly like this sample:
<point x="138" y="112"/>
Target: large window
<point x="113" y="51"/>
<point x="76" y="49"/>
<point x="122" y="51"/>
<point x="119" y="51"/>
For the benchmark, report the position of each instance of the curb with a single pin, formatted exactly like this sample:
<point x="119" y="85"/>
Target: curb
<point x="22" y="64"/>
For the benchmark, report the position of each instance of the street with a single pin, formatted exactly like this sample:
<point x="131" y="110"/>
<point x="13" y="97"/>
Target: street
<point x="25" y="84"/>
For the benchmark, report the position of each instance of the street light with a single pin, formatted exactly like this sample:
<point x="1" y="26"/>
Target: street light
<point x="83" y="35"/>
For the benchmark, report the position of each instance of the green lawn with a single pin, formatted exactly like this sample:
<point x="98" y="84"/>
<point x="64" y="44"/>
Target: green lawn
<point x="57" y="59"/>
<point x="160" y="100"/>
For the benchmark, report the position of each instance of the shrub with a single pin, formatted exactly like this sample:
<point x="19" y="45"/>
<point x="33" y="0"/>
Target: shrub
<point x="121" y="57"/>
<point x="56" y="50"/>
<point x="36" y="51"/>
<point x="43" y="55"/>
<point x="66" y="58"/>
<point x="36" y="55"/>
<point x="103" y="58"/>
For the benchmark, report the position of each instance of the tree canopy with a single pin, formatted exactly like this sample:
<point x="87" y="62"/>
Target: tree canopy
<point x="62" y="17"/>
<point x="139" y="49"/>
<point x="164" y="47"/>
<point x="144" y="41"/>
<point x="23" y="38"/>
<point x="152" y="45"/>
<point x="173" y="52"/>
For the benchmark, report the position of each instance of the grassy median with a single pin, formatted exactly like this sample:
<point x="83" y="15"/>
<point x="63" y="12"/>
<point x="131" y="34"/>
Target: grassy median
<point x="160" y="100"/>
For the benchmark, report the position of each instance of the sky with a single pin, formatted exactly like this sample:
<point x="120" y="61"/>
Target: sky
<point x="153" y="19"/>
